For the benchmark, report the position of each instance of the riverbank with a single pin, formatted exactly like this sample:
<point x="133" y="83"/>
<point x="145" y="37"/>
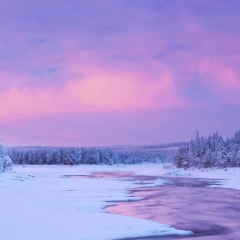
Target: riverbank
<point x="202" y="201"/>
<point x="44" y="203"/>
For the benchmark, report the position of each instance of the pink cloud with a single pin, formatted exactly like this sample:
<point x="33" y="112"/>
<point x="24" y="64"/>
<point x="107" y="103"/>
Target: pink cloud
<point x="119" y="91"/>
<point x="99" y="91"/>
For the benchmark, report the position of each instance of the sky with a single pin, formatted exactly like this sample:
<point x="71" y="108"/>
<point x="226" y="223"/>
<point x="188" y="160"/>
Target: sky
<point x="118" y="72"/>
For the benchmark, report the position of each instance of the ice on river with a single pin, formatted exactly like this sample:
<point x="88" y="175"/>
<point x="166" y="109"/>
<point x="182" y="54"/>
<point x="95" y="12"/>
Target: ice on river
<point x="37" y="203"/>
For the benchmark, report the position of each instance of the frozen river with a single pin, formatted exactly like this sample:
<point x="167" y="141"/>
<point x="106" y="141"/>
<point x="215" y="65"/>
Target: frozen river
<point x="185" y="203"/>
<point x="142" y="199"/>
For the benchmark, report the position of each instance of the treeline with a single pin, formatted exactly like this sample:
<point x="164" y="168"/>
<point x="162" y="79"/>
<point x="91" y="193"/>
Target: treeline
<point x="76" y="156"/>
<point x="211" y="151"/>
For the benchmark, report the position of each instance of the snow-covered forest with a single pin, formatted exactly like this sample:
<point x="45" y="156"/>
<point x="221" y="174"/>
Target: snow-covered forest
<point x="93" y="155"/>
<point x="201" y="152"/>
<point x="211" y="151"/>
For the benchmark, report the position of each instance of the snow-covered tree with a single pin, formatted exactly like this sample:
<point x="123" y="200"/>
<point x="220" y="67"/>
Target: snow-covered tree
<point x="5" y="161"/>
<point x="181" y="159"/>
<point x="108" y="156"/>
<point x="74" y="156"/>
<point x="49" y="157"/>
<point x="92" y="156"/>
<point x="211" y="151"/>
<point x="238" y="159"/>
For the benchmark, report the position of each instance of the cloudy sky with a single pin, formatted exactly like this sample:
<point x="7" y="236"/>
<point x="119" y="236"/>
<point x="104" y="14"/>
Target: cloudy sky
<point x="108" y="72"/>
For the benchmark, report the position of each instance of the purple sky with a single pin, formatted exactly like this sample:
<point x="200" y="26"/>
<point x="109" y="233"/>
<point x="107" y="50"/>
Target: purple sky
<point x="81" y="73"/>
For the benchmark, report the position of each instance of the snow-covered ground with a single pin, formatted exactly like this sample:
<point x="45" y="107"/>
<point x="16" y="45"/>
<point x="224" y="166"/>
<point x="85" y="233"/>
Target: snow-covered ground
<point x="37" y="203"/>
